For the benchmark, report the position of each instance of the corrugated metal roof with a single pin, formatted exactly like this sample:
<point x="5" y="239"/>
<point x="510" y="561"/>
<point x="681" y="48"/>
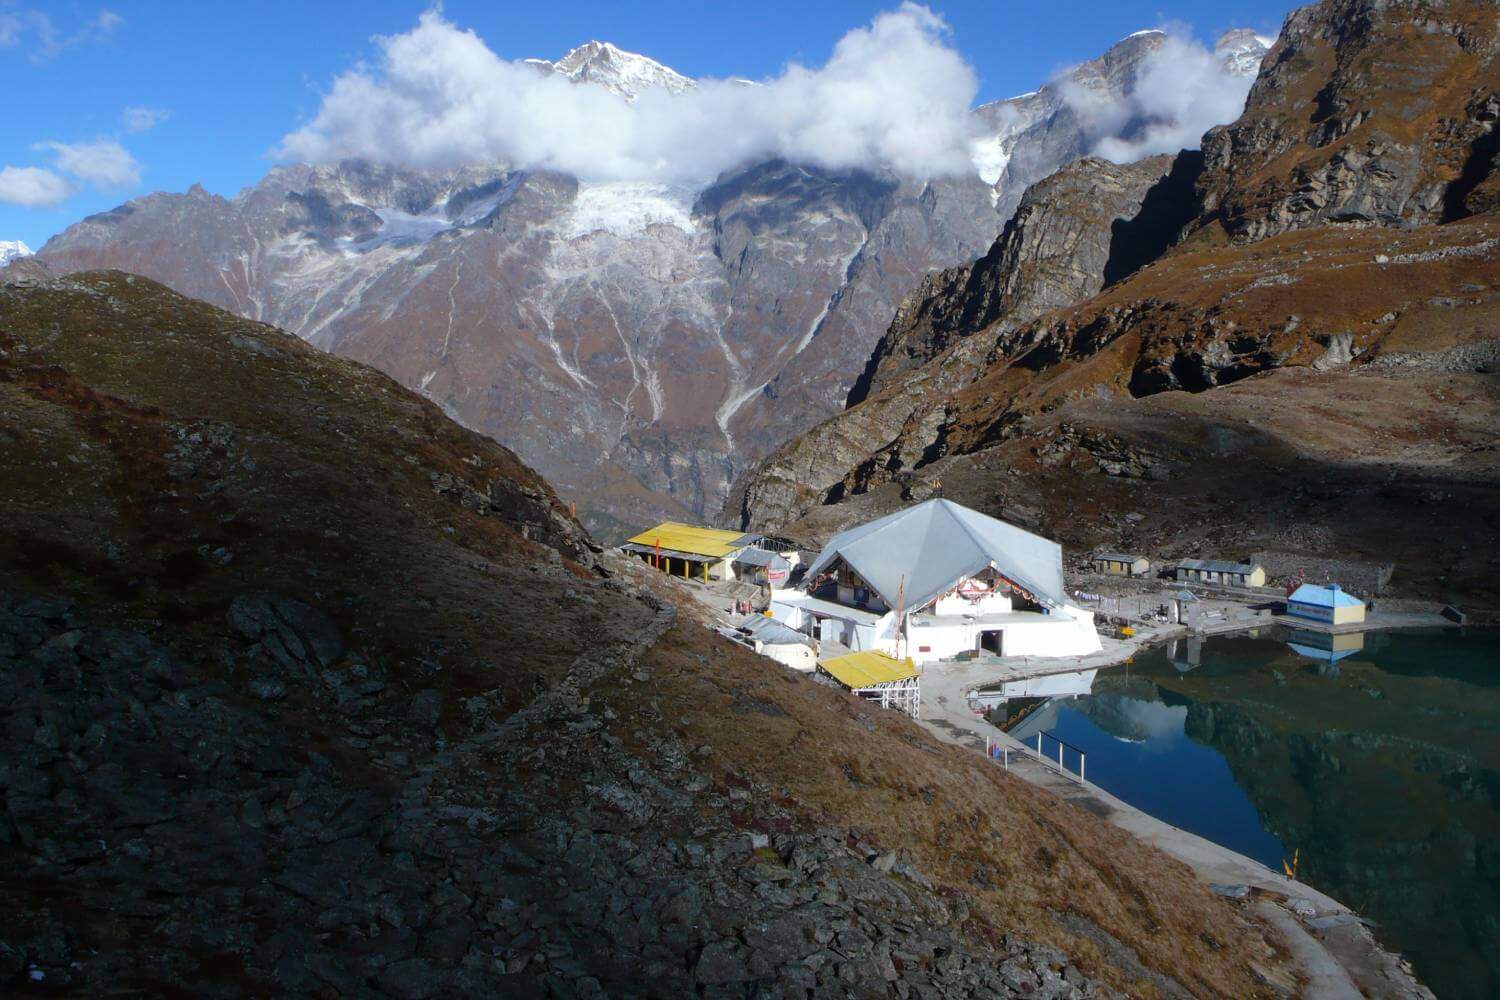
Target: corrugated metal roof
<point x="1215" y="566"/>
<point x="760" y="557"/>
<point x="691" y="538"/>
<point x="914" y="555"/>
<point x="1325" y="597"/>
<point x="771" y="631"/>
<point x="868" y="668"/>
<point x="831" y="609"/>
<point x="1117" y="557"/>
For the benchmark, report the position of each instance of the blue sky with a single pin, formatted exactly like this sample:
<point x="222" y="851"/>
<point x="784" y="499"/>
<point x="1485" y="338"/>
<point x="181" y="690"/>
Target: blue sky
<point x="228" y="82"/>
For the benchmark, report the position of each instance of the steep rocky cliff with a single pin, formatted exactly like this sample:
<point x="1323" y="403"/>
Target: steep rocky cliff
<point x="1068" y="232"/>
<point x="1363" y="113"/>
<point x="333" y="697"/>
<point x="1082" y="228"/>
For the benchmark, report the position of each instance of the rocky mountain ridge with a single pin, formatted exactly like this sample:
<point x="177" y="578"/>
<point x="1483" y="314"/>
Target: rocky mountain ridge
<point x="1034" y="134"/>
<point x="639" y="343"/>
<point x="1361" y="115"/>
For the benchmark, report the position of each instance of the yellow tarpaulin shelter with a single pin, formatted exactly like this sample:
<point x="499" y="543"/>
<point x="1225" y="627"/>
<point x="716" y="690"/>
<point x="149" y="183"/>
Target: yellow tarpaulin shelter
<point x="867" y="669"/>
<point x="670" y="535"/>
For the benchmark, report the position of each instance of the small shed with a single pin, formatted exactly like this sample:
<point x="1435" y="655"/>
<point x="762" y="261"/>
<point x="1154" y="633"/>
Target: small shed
<point x="761" y="566"/>
<point x="1120" y="564"/>
<point x="785" y="645"/>
<point x="877" y="677"/>
<point x="1220" y="573"/>
<point x="1328" y="605"/>
<point x="1186" y="608"/>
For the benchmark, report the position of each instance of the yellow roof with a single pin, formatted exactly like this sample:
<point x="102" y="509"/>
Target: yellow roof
<point x="690" y="538"/>
<point x="868" y="668"/>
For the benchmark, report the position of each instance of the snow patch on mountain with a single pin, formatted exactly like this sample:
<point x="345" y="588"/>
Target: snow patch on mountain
<point x="990" y="156"/>
<point x="12" y="249"/>
<point x="628" y="208"/>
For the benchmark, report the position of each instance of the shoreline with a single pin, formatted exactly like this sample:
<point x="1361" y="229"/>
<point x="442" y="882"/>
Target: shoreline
<point x="1336" y="949"/>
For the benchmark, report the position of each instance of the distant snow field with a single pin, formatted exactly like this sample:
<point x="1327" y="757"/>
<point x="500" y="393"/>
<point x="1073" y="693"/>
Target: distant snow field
<point x="627" y="208"/>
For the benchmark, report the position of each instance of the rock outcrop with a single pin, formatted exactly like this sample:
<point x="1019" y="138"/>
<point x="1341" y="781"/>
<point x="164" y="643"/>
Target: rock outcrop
<point x="1090" y="224"/>
<point x="1366" y="114"/>
<point x="1193" y="321"/>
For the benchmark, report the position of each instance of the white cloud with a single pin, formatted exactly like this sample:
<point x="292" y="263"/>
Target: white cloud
<point x="143" y="119"/>
<point x="893" y="94"/>
<point x="104" y="163"/>
<point x="42" y="37"/>
<point x="33" y="187"/>
<point x="1182" y="91"/>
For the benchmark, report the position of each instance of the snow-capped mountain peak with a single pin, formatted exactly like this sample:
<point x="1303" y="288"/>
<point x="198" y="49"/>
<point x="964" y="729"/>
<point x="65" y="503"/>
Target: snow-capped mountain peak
<point x="1241" y="50"/>
<point x="11" y="249"/>
<point x="627" y="74"/>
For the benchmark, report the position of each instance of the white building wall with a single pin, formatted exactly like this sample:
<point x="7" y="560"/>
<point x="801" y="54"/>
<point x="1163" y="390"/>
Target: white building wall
<point x="1069" y="632"/>
<point x="989" y="604"/>
<point x="857" y="635"/>
<point x="785" y="611"/>
<point x="794" y="655"/>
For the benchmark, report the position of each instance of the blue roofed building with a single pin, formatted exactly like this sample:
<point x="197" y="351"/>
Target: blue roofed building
<point x="1328" y="605"/>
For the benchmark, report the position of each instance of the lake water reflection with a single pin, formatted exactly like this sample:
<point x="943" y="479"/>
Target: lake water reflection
<point x="1376" y="757"/>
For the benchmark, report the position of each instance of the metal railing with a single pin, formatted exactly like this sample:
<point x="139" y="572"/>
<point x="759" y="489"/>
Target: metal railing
<point x="1001" y="750"/>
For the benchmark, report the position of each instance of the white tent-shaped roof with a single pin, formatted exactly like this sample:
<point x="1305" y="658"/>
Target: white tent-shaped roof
<point x="915" y="555"/>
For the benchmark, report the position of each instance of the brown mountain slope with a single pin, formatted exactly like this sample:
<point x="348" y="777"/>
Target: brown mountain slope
<point x="307" y="690"/>
<point x="1071" y="235"/>
<point x="1363" y="113"/>
<point x="1398" y="313"/>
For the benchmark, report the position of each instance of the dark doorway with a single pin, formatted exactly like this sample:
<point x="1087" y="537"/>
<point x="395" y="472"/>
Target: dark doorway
<point x="993" y="640"/>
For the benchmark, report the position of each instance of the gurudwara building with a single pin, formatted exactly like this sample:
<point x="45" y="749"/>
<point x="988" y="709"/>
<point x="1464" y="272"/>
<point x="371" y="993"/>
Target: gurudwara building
<point x="937" y="580"/>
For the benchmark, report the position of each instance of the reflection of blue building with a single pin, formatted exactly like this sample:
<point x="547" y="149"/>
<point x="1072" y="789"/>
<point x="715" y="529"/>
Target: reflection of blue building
<point x="1328" y="650"/>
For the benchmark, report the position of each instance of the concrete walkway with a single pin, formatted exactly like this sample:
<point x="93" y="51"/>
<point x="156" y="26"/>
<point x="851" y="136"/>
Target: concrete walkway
<point x="1374" y="621"/>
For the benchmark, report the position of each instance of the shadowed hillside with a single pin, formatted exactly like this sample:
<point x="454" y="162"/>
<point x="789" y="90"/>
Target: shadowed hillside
<point x="308" y="690"/>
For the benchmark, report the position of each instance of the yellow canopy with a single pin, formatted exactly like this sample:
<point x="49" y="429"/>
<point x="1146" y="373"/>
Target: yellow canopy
<point x="690" y="538"/>
<point x="868" y="668"/>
